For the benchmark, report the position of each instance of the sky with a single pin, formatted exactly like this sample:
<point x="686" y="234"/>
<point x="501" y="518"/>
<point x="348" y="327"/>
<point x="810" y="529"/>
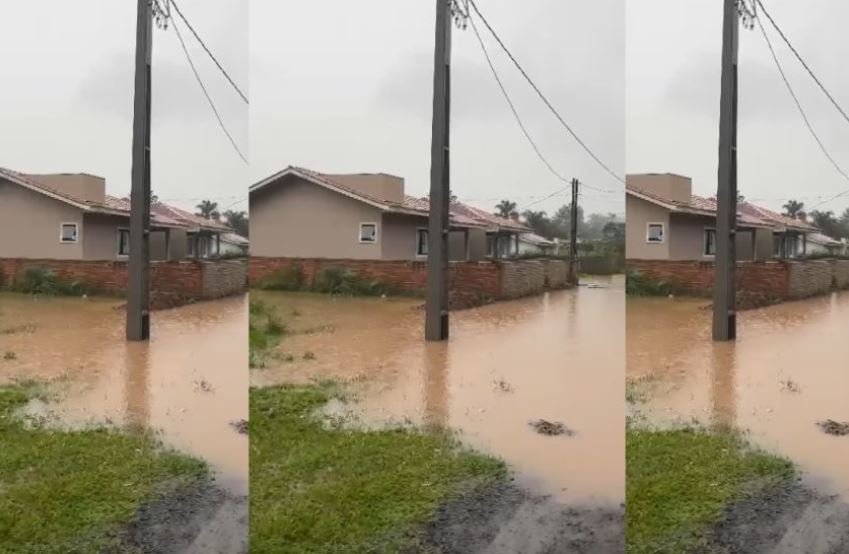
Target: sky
<point x="340" y="86"/>
<point x="673" y="72"/>
<point x="66" y="102"/>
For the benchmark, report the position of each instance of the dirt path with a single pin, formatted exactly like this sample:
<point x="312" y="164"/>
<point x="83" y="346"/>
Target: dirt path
<point x="195" y="519"/>
<point x="788" y="519"/>
<point x="504" y="520"/>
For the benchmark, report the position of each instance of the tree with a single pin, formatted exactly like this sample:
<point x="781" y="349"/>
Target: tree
<point x="208" y="209"/>
<point x="827" y="223"/>
<point x="562" y="220"/>
<point x="238" y="221"/>
<point x="614" y="232"/>
<point x="793" y="207"/>
<point x="505" y="208"/>
<point x="538" y="221"/>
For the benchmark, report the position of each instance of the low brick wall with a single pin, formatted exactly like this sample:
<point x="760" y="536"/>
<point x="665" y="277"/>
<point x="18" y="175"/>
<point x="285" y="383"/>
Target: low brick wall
<point x="757" y="283"/>
<point x="171" y="283"/>
<point x="470" y="283"/>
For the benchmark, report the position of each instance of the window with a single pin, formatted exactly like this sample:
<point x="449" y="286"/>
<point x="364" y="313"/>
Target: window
<point x="68" y="233"/>
<point x="654" y="232"/>
<point x="123" y="242"/>
<point x="368" y="232"/>
<point x="710" y="242"/>
<point x="421" y="242"/>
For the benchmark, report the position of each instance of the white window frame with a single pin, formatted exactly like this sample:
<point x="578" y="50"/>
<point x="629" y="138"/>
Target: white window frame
<point x="360" y="232"/>
<point x="662" y="232"/>
<point x="76" y="232"/>
<point x="704" y="242"/>
<point x="118" y="247"/>
<point x="418" y="231"/>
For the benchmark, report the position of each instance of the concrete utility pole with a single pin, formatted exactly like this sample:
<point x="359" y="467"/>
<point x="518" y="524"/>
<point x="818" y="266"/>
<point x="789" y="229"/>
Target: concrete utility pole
<point x="573" y="233"/>
<point x="138" y="301"/>
<point x="724" y="295"/>
<point x="436" y="317"/>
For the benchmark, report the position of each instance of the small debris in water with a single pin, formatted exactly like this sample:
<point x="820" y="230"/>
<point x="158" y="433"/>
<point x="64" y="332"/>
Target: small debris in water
<point x="503" y="386"/>
<point x="241" y="426"/>
<point x="551" y="428"/>
<point x="790" y="386"/>
<point x="831" y="427"/>
<point x="309" y="356"/>
<point x="204" y="386"/>
<point x="10" y="356"/>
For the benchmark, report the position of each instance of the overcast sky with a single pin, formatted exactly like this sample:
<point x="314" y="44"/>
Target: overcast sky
<point x="66" y="100"/>
<point x="341" y="86"/>
<point x="673" y="70"/>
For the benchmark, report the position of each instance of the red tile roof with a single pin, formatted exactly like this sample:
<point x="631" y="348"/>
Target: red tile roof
<point x="161" y="214"/>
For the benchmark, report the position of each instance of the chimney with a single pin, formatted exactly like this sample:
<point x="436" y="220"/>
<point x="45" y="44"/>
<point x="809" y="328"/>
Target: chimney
<point x="668" y="186"/>
<point x="385" y="187"/>
<point x="514" y="215"/>
<point x="802" y="216"/>
<point x="81" y="186"/>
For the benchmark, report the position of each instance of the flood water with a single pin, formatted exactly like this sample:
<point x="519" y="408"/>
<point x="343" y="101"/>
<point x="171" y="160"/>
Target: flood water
<point x="557" y="357"/>
<point x="788" y="370"/>
<point x="188" y="383"/>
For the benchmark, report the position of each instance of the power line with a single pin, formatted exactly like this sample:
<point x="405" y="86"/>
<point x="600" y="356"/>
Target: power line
<point x="214" y="59"/>
<point x="542" y="96"/>
<point x="208" y="97"/>
<point x="802" y="112"/>
<point x="804" y="64"/>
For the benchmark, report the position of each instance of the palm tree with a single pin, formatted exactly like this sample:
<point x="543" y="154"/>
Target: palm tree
<point x="505" y="208"/>
<point x="238" y="221"/>
<point x="793" y="207"/>
<point x="208" y="209"/>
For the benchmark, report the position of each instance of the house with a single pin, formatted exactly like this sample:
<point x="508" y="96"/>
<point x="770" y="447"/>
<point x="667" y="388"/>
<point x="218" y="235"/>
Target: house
<point x="70" y="217"/>
<point x="666" y="221"/>
<point x="233" y="244"/>
<point x="531" y="244"/>
<point x="300" y="213"/>
<point x="823" y="245"/>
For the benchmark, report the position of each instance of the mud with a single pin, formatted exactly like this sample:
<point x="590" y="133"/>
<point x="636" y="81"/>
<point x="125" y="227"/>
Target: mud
<point x="196" y="518"/>
<point x="788" y="518"/>
<point x="504" y="519"/>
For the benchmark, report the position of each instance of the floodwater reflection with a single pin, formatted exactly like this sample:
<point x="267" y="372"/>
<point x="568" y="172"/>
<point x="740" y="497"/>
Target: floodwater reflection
<point x="188" y="383"/>
<point x="787" y="371"/>
<point x="557" y="357"/>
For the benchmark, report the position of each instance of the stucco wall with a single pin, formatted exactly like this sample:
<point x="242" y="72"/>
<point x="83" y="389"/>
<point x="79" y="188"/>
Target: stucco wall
<point x="294" y="218"/>
<point x="30" y="225"/>
<point x="102" y="239"/>
<point x="399" y="240"/>
<point x="638" y="214"/>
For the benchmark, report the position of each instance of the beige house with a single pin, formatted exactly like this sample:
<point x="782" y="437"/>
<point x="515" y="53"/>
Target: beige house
<point x="70" y="217"/>
<point x="667" y="222"/>
<point x="299" y="213"/>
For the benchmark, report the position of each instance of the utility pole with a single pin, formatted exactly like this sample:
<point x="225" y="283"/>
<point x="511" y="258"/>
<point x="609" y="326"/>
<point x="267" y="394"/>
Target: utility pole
<point x="436" y="316"/>
<point x="138" y="301"/>
<point x="724" y="294"/>
<point x="573" y="234"/>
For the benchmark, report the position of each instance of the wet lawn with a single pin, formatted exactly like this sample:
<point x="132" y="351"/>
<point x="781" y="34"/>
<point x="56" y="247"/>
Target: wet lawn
<point x="679" y="483"/>
<point x="319" y="486"/>
<point x="75" y="491"/>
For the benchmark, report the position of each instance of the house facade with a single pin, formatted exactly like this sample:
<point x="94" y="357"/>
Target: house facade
<point x="70" y="217"/>
<point x="299" y="213"/>
<point x="667" y="222"/>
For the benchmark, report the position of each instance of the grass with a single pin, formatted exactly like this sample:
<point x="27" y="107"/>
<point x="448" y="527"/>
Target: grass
<point x="265" y="331"/>
<point x="322" y="487"/>
<point x="328" y="280"/>
<point x="46" y="282"/>
<point x="73" y="492"/>
<point x="680" y="481"/>
<point x="638" y="284"/>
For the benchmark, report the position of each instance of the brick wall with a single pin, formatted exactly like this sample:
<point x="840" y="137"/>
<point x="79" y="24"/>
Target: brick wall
<point x="172" y="283"/>
<point x="757" y="282"/>
<point x="471" y="283"/>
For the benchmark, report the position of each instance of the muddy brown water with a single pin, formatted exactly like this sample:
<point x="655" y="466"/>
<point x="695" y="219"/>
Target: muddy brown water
<point x="557" y="357"/>
<point x="787" y="371"/>
<point x="188" y="383"/>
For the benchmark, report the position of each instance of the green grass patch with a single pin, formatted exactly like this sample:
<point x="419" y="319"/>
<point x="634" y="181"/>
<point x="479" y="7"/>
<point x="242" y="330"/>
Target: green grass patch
<point x="318" y="486"/>
<point x="680" y="481"/>
<point x="639" y="284"/>
<point x="46" y="282"/>
<point x="265" y="331"/>
<point x="74" y="491"/>
<point x="328" y="280"/>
